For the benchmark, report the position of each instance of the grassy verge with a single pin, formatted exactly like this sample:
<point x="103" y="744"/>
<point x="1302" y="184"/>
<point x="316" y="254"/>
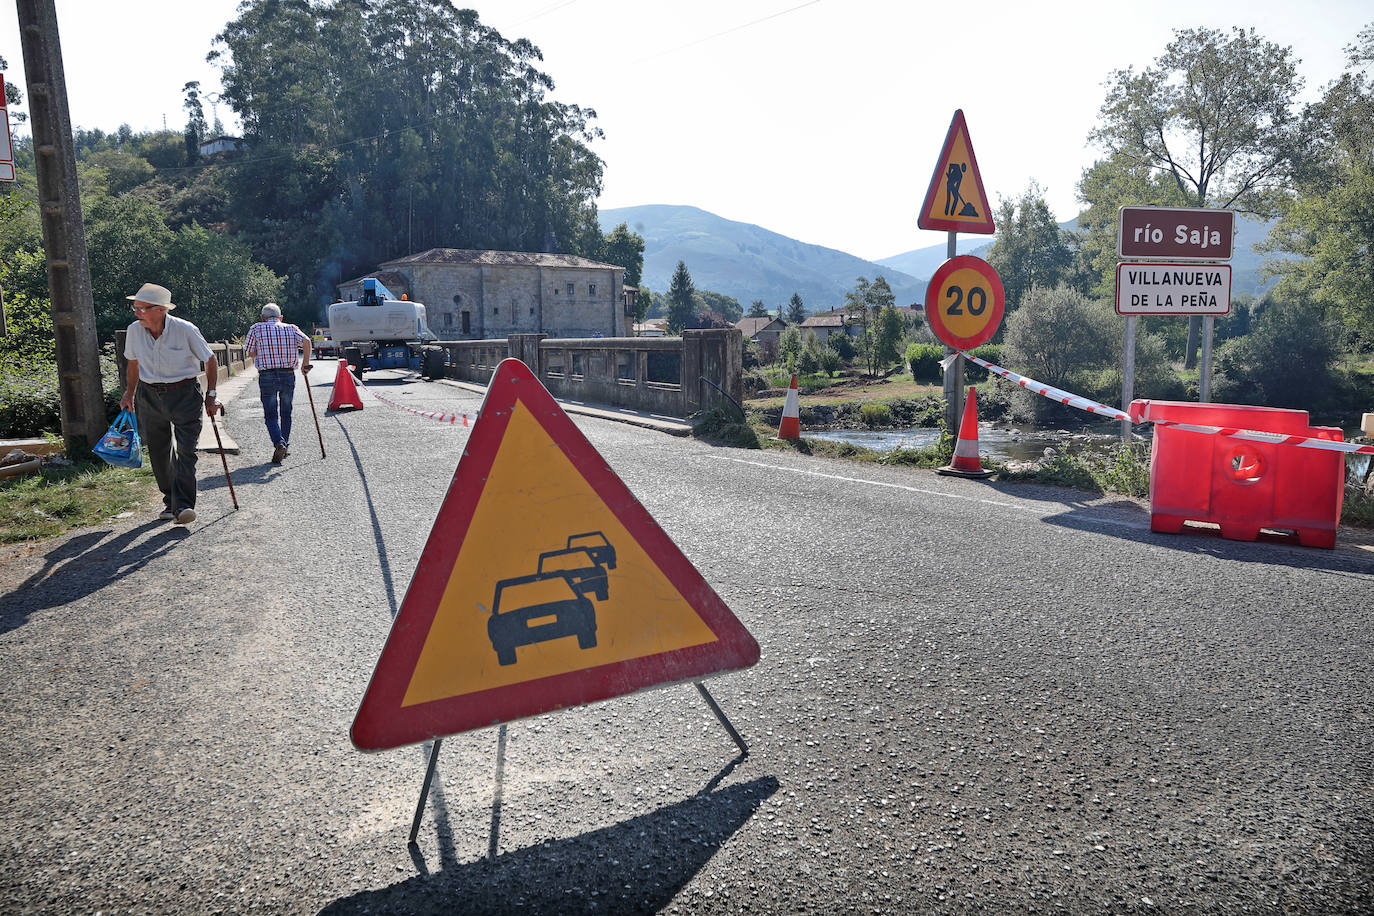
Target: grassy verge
<point x="56" y="500"/>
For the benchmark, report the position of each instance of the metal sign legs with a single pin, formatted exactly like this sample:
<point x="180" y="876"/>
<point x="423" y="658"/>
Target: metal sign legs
<point x="438" y="742"/>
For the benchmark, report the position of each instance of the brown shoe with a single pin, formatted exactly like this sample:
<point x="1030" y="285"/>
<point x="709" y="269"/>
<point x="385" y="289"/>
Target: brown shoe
<point x="278" y="454"/>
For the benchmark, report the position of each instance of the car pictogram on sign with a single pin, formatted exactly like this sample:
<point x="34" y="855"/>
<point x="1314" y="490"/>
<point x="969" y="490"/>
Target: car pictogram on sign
<point x="535" y="609"/>
<point x="595" y="542"/>
<point x="581" y="568"/>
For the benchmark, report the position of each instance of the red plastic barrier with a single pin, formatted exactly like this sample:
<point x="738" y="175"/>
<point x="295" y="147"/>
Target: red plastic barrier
<point x="1242" y="486"/>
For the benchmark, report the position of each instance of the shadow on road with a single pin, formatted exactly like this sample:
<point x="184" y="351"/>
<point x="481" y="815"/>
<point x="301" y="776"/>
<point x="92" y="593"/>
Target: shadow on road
<point x="637" y="866"/>
<point x="1269" y="550"/>
<point x="382" y="561"/>
<point x="85" y="564"/>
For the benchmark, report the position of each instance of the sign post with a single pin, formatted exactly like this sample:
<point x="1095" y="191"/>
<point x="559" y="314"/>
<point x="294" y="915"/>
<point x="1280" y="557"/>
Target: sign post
<point x="955" y="201"/>
<point x="1149" y="282"/>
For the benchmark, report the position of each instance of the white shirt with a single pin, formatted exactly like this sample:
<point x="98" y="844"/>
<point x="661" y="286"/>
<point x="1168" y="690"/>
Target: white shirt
<point x="174" y="356"/>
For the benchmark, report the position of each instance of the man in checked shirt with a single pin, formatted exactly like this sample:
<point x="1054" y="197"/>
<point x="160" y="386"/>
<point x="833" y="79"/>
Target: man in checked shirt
<point x="272" y="345"/>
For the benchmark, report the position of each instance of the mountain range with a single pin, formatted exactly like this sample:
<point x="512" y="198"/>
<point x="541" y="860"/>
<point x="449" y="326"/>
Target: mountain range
<point x="749" y="262"/>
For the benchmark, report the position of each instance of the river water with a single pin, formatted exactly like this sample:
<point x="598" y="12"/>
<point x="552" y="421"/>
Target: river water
<point x="1010" y="443"/>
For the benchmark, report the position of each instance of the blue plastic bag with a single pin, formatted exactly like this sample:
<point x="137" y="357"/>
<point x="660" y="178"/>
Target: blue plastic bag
<point x="120" y="446"/>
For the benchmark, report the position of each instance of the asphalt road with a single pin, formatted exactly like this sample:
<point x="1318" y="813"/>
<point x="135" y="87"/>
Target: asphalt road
<point x="973" y="697"/>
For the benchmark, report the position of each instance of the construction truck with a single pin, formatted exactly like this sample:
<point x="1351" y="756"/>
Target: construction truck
<point x="380" y="331"/>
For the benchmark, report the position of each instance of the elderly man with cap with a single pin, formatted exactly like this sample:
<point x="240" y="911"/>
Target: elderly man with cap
<point x="272" y="344"/>
<point x="164" y="355"/>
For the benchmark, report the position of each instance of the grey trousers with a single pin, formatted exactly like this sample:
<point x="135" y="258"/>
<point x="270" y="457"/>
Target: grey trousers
<point x="162" y="417"/>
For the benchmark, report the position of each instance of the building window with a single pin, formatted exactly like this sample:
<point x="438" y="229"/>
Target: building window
<point x="570" y="289"/>
<point x="496" y="309"/>
<point x="531" y="310"/>
<point x="591" y="289"/>
<point x="448" y="319"/>
<point x="555" y="291"/>
<point x="467" y="322"/>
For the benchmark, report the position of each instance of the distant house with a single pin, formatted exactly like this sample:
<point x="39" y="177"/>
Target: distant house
<point x="652" y="327"/>
<point x="221" y="145"/>
<point x="765" y="331"/>
<point x="823" y="324"/>
<point x="482" y="295"/>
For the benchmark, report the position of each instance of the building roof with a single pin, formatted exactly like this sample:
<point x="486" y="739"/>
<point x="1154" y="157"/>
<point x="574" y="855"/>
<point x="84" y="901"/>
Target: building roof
<point x="824" y="320"/>
<point x="752" y="326"/>
<point x="393" y="281"/>
<point x="510" y="258"/>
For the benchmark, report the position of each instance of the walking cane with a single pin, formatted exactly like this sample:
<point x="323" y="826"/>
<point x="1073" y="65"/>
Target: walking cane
<point x="312" y="412"/>
<point x="223" y="460"/>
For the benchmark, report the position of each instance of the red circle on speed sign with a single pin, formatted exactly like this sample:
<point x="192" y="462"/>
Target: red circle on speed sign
<point x="964" y="302"/>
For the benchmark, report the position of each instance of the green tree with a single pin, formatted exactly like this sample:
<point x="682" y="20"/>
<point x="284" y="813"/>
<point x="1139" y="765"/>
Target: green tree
<point x="1330" y="224"/>
<point x="1029" y="249"/>
<point x="624" y="248"/>
<point x="195" y="120"/>
<point x="790" y="347"/>
<point x="757" y="309"/>
<point x="681" y="299"/>
<point x="888" y="331"/>
<point x="13" y="96"/>
<point x="1286" y="361"/>
<point x="726" y="306"/>
<point x="380" y="127"/>
<point x="796" y="311"/>
<point x="643" y="300"/>
<point x="1213" y="117"/>
<point x="1060" y="337"/>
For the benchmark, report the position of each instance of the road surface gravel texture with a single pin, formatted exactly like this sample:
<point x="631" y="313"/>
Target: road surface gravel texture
<point x="973" y="697"/>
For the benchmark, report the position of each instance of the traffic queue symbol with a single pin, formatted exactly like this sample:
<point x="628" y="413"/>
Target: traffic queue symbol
<point x="964" y="302"/>
<point x="555" y="601"/>
<point x="956" y="200"/>
<point x="544" y="584"/>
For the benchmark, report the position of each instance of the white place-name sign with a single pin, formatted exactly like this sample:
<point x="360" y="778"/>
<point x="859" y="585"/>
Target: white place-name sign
<point x="1173" y="289"/>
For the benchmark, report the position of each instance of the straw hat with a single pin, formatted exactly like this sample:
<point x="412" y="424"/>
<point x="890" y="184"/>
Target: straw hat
<point x="152" y="294"/>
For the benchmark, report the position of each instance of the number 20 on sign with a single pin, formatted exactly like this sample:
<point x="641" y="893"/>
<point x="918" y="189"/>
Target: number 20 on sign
<point x="964" y="302"/>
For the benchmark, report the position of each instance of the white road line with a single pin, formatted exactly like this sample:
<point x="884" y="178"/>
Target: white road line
<point x="877" y="483"/>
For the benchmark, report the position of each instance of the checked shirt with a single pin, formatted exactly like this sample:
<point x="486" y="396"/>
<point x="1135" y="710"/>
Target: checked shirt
<point x="272" y="344"/>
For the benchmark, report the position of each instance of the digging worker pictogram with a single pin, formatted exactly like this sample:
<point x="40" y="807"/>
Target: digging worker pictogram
<point x="272" y="344"/>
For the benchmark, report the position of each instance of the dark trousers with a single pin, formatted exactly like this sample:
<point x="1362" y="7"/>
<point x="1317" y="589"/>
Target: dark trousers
<point x="276" y="389"/>
<point x="167" y="419"/>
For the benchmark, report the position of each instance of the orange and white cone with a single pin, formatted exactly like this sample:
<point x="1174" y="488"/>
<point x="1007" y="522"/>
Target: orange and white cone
<point x="345" y="392"/>
<point x="965" y="462"/>
<point x="790" y="427"/>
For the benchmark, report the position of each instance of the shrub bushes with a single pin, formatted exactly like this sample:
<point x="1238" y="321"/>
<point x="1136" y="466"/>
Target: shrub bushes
<point x="875" y="415"/>
<point x="924" y="360"/>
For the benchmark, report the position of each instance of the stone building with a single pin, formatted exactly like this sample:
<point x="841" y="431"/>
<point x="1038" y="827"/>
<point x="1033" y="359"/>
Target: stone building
<point x="482" y="295"/>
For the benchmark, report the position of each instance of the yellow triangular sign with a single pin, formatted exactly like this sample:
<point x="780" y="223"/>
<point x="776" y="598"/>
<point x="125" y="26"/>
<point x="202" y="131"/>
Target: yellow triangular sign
<point x="544" y="584"/>
<point x="956" y="200"/>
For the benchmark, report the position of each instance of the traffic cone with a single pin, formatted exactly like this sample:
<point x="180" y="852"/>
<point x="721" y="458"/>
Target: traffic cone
<point x="345" y="392"/>
<point x="965" y="462"/>
<point x="790" y="427"/>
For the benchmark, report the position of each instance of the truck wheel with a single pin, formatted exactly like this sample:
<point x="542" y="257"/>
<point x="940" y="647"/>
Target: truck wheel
<point x="432" y="362"/>
<point x="354" y="357"/>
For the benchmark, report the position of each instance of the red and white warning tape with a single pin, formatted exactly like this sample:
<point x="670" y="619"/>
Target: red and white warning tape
<point x="1093" y="407"/>
<point x="1048" y="391"/>
<point x="449" y="418"/>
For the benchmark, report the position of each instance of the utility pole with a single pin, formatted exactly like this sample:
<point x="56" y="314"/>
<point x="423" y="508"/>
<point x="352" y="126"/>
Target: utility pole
<point x="64" y="234"/>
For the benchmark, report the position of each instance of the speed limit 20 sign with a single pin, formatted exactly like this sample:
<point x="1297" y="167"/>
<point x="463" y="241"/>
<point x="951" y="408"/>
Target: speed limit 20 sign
<point x="964" y="302"/>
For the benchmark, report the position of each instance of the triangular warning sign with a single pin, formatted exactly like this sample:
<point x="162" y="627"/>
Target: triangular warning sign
<point x="544" y="584"/>
<point x="956" y="200"/>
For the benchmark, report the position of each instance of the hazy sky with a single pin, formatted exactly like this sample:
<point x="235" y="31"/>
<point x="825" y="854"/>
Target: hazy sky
<point x="818" y="119"/>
